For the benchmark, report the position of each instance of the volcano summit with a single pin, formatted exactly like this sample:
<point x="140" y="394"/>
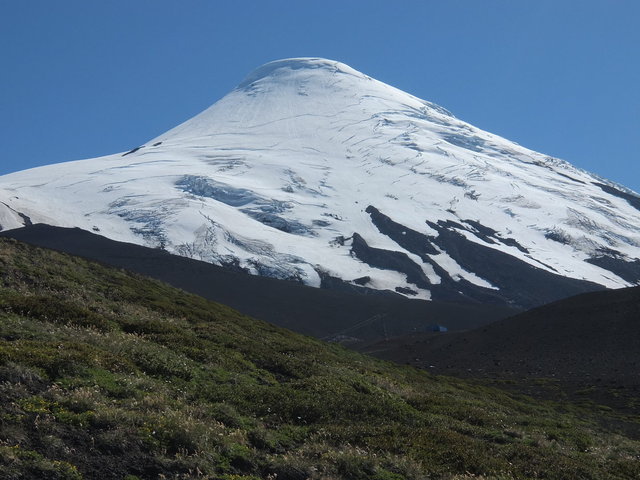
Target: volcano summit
<point x="312" y="171"/>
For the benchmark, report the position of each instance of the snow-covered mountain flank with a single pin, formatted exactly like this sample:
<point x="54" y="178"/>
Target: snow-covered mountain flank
<point x="312" y="171"/>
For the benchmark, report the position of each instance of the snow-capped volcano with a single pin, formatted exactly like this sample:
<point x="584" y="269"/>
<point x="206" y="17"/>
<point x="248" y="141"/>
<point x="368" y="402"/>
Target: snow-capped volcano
<point x="310" y="170"/>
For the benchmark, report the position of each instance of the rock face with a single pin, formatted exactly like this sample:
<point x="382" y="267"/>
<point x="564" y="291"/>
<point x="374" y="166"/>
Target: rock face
<point x="314" y="172"/>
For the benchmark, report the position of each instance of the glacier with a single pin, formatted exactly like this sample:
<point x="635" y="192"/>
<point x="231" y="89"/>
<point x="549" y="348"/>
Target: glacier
<point x="314" y="172"/>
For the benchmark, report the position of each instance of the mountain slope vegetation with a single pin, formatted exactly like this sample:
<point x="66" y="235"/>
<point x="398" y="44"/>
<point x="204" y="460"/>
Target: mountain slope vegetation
<point x="106" y="374"/>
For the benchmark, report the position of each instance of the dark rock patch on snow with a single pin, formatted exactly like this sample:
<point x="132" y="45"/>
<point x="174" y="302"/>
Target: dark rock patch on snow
<point x="134" y="150"/>
<point x="571" y="178"/>
<point x="490" y="235"/>
<point x="409" y="239"/>
<point x="519" y="283"/>
<point x="626" y="269"/>
<point x="633" y="200"/>
<point x="389" y="260"/>
<point x="25" y="218"/>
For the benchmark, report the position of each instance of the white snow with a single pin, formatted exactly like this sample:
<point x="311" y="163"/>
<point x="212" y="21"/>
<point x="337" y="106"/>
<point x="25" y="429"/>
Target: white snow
<point x="308" y="144"/>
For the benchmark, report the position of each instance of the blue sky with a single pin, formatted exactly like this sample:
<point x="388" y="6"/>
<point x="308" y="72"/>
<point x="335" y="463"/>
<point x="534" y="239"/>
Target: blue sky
<point x="81" y="78"/>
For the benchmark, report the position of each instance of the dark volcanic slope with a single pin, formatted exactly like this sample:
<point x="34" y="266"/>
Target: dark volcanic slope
<point x="588" y="340"/>
<point x="322" y="313"/>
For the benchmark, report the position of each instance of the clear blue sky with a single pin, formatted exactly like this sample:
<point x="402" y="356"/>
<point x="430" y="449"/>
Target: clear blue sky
<point x="82" y="78"/>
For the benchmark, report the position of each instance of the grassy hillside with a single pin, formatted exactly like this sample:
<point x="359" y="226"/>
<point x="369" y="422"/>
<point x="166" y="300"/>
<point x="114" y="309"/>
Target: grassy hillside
<point x="105" y="374"/>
